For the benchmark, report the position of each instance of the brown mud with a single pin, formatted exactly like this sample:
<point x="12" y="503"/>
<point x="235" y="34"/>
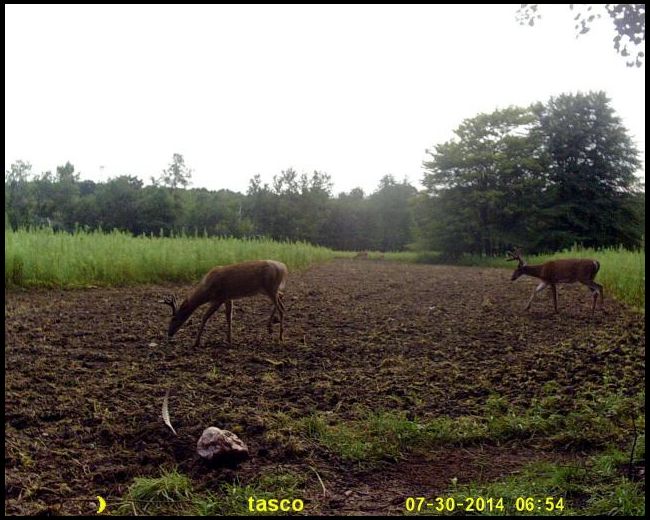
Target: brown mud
<point x="86" y="372"/>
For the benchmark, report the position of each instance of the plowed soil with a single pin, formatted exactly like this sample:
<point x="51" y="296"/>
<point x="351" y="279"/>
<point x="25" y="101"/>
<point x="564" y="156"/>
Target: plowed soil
<point x="86" y="372"/>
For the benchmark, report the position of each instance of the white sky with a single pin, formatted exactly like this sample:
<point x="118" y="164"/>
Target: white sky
<point x="354" y="91"/>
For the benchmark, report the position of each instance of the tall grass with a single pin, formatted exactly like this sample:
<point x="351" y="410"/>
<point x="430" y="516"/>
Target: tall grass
<point x="622" y="272"/>
<point x="42" y="258"/>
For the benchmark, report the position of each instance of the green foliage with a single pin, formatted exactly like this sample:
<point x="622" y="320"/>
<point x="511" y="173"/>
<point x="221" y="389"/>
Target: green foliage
<point x="19" y="203"/>
<point x="596" y="487"/>
<point x="543" y="178"/>
<point x="165" y="494"/>
<point x="234" y="499"/>
<point x="172" y="494"/>
<point x="595" y="420"/>
<point x="381" y="436"/>
<point x="45" y="258"/>
<point x="484" y="186"/>
<point x="591" y="163"/>
<point x="296" y="207"/>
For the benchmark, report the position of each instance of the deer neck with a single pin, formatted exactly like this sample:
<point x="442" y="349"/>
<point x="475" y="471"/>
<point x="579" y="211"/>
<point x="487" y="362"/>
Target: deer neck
<point x="533" y="270"/>
<point x="197" y="298"/>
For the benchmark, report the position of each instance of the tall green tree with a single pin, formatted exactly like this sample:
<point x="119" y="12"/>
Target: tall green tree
<point x="390" y="206"/>
<point x="19" y="204"/>
<point x="483" y="186"/>
<point x="118" y="204"/>
<point x="591" y="166"/>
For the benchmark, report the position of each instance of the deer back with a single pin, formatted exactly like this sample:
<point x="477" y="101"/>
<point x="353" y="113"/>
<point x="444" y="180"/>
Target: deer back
<point x="569" y="270"/>
<point x="245" y="279"/>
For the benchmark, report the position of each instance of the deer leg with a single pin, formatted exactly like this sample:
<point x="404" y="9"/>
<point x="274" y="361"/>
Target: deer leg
<point x="537" y="289"/>
<point x="270" y="323"/>
<point x="554" y="289"/>
<point x="278" y="305"/>
<point x="602" y="297"/>
<point x="595" y="289"/>
<point x="211" y="310"/>
<point x="594" y="298"/>
<point x="281" y="311"/>
<point x="229" y="320"/>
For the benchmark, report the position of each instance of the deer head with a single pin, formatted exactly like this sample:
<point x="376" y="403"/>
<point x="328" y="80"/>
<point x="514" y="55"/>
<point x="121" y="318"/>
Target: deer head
<point x="178" y="318"/>
<point x="516" y="255"/>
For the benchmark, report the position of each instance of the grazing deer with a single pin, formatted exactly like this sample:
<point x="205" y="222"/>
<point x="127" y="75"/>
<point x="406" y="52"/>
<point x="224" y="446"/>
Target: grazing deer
<point x="560" y="271"/>
<point x="228" y="283"/>
<point x="362" y="254"/>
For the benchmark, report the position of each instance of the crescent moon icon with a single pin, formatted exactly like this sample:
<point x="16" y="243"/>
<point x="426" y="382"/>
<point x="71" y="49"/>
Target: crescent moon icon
<point x="102" y="504"/>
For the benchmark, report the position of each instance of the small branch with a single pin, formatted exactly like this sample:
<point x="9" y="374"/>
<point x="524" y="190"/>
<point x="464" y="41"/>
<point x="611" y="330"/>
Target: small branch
<point x="319" y="480"/>
<point x="633" y="448"/>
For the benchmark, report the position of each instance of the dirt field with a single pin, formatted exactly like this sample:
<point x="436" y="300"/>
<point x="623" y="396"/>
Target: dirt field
<point x="86" y="372"/>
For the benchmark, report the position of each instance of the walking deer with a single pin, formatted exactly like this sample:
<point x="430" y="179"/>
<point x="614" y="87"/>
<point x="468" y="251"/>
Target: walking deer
<point x="560" y="271"/>
<point x="232" y="282"/>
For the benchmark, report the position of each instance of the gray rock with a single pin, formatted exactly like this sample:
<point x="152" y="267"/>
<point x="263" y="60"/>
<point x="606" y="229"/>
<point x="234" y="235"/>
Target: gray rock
<point x="216" y="445"/>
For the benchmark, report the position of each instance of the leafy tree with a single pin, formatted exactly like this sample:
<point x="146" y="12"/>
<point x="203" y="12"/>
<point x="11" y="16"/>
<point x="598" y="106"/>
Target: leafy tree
<point x="156" y="210"/>
<point x="390" y="205"/>
<point x="591" y="166"/>
<point x="483" y="185"/>
<point x="294" y="208"/>
<point x="628" y="21"/>
<point x="543" y="178"/>
<point x="19" y="205"/>
<point x="349" y="225"/>
<point x="118" y="202"/>
<point x="64" y="195"/>
<point x="177" y="173"/>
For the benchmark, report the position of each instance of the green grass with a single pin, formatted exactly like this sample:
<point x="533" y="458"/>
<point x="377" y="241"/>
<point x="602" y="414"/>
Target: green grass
<point x="596" y="486"/>
<point x="162" y="495"/>
<point x="42" y="258"/>
<point x="172" y="494"/>
<point x="590" y="422"/>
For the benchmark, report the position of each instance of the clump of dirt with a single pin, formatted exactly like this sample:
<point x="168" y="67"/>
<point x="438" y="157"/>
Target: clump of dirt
<point x="86" y="372"/>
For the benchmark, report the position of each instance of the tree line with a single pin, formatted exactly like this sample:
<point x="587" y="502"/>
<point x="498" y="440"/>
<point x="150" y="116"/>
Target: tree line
<point x="542" y="177"/>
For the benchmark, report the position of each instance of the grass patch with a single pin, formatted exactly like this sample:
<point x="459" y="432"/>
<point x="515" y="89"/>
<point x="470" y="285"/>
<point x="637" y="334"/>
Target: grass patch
<point x="593" y="487"/>
<point x="42" y="258"/>
<point x="235" y="499"/>
<point x="167" y="494"/>
<point x="383" y="436"/>
<point x="172" y="494"/>
<point x="586" y="422"/>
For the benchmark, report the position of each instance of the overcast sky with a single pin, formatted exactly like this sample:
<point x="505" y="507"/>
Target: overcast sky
<point x="357" y="92"/>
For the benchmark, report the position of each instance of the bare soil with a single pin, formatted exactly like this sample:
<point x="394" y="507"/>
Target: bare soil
<point x="86" y="372"/>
